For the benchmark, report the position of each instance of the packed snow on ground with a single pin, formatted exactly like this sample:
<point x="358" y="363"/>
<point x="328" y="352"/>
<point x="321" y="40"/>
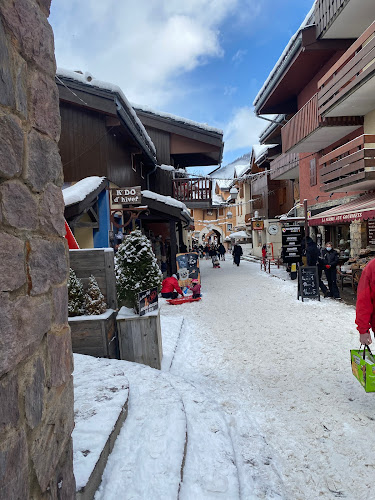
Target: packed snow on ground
<point x="280" y="370"/>
<point x="100" y="392"/>
<point x="78" y="191"/>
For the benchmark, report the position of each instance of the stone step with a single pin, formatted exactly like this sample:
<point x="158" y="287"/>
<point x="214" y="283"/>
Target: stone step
<point x="101" y="393"/>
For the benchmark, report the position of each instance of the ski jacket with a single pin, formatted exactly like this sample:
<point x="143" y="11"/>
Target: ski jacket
<point x="169" y="285"/>
<point x="312" y="253"/>
<point x="330" y="258"/>
<point x="365" y="309"/>
<point x="237" y="250"/>
<point x="196" y="289"/>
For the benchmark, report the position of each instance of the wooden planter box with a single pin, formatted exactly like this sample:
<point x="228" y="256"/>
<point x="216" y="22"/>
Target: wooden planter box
<point x="140" y="337"/>
<point x="95" y="335"/>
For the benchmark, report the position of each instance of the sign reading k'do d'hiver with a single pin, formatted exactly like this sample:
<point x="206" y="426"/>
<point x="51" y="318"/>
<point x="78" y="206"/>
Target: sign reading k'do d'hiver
<point x="127" y="196"/>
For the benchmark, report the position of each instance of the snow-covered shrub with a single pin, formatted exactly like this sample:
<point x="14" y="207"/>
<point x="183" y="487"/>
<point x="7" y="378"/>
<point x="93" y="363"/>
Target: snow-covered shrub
<point x="136" y="269"/>
<point x="76" y="295"/>
<point x="94" y="299"/>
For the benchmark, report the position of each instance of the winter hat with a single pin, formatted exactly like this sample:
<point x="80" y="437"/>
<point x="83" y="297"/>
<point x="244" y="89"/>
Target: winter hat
<point x="174" y="276"/>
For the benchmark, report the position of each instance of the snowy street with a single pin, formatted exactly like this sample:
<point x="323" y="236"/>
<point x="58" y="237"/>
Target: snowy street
<point x="274" y="382"/>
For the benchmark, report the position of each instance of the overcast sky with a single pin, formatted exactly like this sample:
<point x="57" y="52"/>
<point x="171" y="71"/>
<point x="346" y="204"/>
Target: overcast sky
<point x="201" y="59"/>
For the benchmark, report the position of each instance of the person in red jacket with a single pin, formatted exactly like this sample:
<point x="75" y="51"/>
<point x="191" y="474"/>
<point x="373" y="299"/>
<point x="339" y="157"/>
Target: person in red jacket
<point x="365" y="309"/>
<point x="169" y="286"/>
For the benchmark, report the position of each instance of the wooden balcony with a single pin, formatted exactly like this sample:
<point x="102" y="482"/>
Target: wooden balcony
<point x="350" y="167"/>
<point x="195" y="193"/>
<point x="308" y="132"/>
<point x="286" y="166"/>
<point x="348" y="88"/>
<point x="326" y="12"/>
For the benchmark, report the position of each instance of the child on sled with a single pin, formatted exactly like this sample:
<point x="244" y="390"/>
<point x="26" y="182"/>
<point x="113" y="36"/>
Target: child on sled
<point x="215" y="262"/>
<point x="195" y="288"/>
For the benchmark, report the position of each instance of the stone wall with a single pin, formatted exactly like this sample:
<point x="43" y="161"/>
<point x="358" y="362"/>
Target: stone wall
<point x="36" y="389"/>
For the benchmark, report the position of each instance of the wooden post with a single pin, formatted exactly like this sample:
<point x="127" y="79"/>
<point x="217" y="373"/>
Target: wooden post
<point x="172" y="229"/>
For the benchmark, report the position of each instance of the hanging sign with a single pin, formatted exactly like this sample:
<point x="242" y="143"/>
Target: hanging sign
<point x="187" y="268"/>
<point x="308" y="283"/>
<point x="371" y="231"/>
<point x="291" y="243"/>
<point x="148" y="301"/>
<point x="127" y="195"/>
<point x="258" y="225"/>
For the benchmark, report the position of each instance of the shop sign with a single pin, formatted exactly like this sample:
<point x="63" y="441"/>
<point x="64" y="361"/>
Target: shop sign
<point x="342" y="218"/>
<point x="371" y="231"/>
<point x="187" y="268"/>
<point x="148" y="301"/>
<point x="127" y="195"/>
<point x="258" y="225"/>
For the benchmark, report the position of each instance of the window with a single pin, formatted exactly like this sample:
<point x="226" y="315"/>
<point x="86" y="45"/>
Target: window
<point x="313" y="177"/>
<point x="209" y="212"/>
<point x="221" y="212"/>
<point x="229" y="227"/>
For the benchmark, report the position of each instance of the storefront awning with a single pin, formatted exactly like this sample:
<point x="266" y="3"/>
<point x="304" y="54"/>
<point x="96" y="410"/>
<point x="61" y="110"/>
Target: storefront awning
<point x="362" y="208"/>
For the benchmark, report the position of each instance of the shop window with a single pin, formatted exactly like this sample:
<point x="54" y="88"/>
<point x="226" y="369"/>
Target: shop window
<point x="313" y="177"/>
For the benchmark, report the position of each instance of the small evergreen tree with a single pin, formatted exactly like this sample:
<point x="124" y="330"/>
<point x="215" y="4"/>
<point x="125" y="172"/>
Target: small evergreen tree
<point x="94" y="299"/>
<point x="76" y="296"/>
<point x="136" y="269"/>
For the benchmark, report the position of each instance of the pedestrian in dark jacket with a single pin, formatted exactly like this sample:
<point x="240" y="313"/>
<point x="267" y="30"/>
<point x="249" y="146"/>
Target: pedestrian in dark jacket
<point x="365" y="308"/>
<point x="222" y="251"/>
<point x="312" y="252"/>
<point x="237" y="252"/>
<point x="329" y="261"/>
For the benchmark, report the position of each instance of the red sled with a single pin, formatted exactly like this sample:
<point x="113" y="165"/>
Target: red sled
<point x="176" y="302"/>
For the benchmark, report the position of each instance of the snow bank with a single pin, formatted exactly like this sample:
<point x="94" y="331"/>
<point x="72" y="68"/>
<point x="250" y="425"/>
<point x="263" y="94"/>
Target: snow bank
<point x="170" y="333"/>
<point x="88" y="79"/>
<point x="91" y="317"/>
<point x="78" y="191"/>
<point x="203" y="126"/>
<point x="100" y="391"/>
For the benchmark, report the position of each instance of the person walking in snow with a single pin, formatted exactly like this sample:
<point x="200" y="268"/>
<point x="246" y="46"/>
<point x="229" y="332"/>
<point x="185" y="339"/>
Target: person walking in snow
<point x="365" y="308"/>
<point x="329" y="261"/>
<point x="312" y="252"/>
<point x="168" y="287"/>
<point x="222" y="251"/>
<point x="237" y="252"/>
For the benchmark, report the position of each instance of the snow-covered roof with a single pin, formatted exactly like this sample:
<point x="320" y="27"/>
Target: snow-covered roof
<point x="239" y="234"/>
<point x="168" y="200"/>
<point x="261" y="150"/>
<point x="285" y="56"/>
<point x="78" y="191"/>
<point x="186" y="121"/>
<point x="89" y="80"/>
<point x="217" y="199"/>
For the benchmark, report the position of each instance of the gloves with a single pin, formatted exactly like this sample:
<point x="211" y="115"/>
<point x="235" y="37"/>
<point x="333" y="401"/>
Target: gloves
<point x="365" y="338"/>
<point x="328" y="266"/>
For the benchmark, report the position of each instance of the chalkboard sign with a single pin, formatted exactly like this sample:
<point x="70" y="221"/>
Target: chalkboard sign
<point x="187" y="268"/>
<point x="148" y="301"/>
<point x="308" y="283"/>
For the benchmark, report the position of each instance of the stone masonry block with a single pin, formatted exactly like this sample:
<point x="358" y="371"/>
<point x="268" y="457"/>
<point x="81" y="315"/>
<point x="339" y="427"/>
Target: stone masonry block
<point x="60" y="305"/>
<point x="60" y="357"/>
<point x="14" y="481"/>
<point x="34" y="396"/>
<point x="44" y="105"/>
<point x="32" y="31"/>
<point x="52" y="436"/>
<point x="12" y="263"/>
<point x="44" y="163"/>
<point x="51" y="218"/>
<point x="6" y="87"/>
<point x="48" y="264"/>
<point x="11" y="145"/>
<point x="9" y="413"/>
<point x="24" y="322"/>
<point x="64" y="483"/>
<point x="18" y="205"/>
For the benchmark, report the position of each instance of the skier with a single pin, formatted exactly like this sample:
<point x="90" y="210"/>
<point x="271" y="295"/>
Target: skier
<point x="365" y="308"/>
<point x="195" y="288"/>
<point x="237" y="252"/>
<point x="168" y="286"/>
<point x="329" y="261"/>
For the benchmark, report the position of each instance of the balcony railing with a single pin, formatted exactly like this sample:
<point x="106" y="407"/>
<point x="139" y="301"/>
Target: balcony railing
<point x="286" y="166"/>
<point x="308" y="132"/>
<point x="354" y="67"/>
<point x="303" y="123"/>
<point x="350" y="167"/>
<point x="193" y="192"/>
<point x="326" y="12"/>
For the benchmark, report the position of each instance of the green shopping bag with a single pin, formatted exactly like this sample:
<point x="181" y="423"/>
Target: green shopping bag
<point x="363" y="367"/>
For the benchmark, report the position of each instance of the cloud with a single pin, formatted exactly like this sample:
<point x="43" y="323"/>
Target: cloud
<point x="141" y="45"/>
<point x="243" y="129"/>
<point x="238" y="56"/>
<point x="229" y="90"/>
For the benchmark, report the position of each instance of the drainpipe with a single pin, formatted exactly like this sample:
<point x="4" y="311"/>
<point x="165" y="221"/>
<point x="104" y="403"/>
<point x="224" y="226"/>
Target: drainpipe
<point x="148" y="176"/>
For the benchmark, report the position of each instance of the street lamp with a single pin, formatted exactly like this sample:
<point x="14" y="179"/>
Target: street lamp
<point x="233" y="193"/>
<point x="229" y="214"/>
